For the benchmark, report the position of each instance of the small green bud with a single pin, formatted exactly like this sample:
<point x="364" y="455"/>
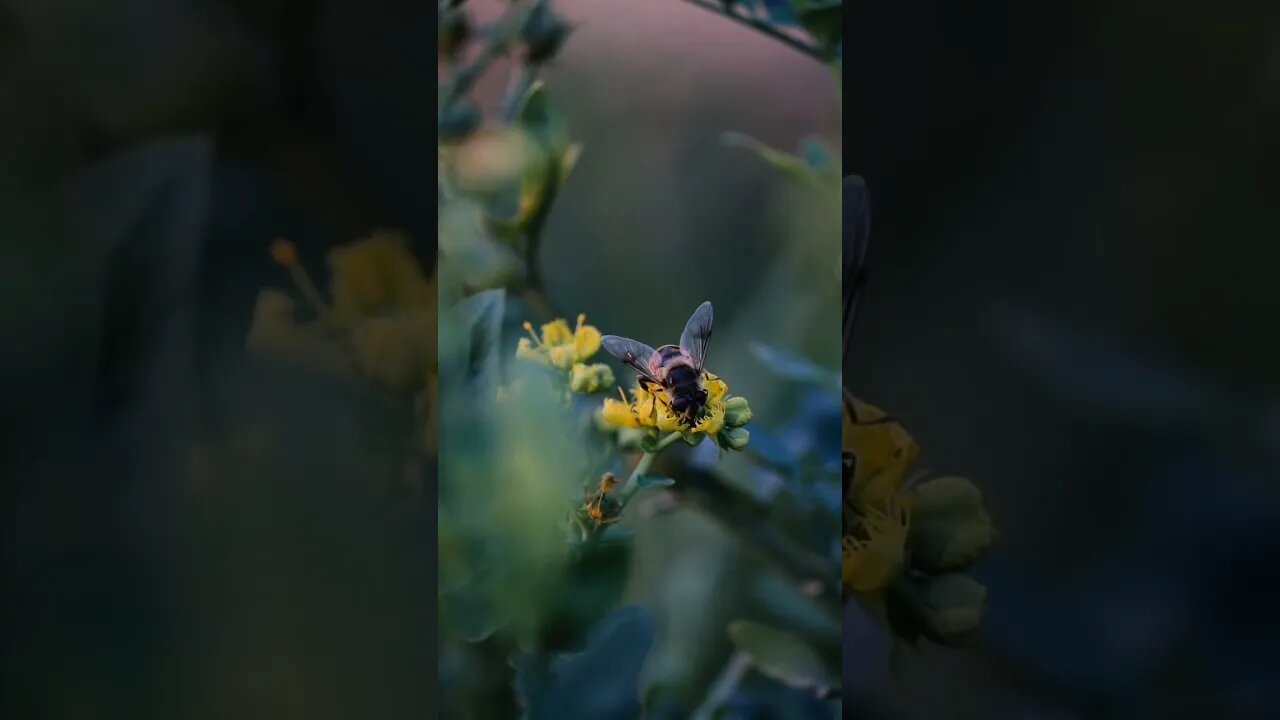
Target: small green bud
<point x="459" y="120"/>
<point x="544" y="33"/>
<point x="525" y="350"/>
<point x="949" y="607"/>
<point x="736" y="412"/>
<point x="453" y="31"/>
<point x="589" y="378"/>
<point x="735" y="438"/>
<point x="950" y="529"/>
<point x="631" y="438"/>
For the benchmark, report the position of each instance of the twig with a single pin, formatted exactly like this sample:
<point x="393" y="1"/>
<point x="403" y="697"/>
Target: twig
<point x="499" y="39"/>
<point x="759" y="25"/>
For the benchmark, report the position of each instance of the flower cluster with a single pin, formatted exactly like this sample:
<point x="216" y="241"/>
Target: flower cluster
<point x="723" y="417"/>
<point x="905" y="548"/>
<point x="566" y="350"/>
<point x="379" y="322"/>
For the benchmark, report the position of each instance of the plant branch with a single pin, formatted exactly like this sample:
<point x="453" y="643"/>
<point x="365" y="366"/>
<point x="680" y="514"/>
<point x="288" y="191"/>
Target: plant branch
<point x="746" y="519"/>
<point x="500" y="39"/>
<point x="633" y="483"/>
<point x="759" y="25"/>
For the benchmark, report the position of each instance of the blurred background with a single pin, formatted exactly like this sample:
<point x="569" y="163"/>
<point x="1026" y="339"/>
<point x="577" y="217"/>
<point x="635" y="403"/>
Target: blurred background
<point x="1074" y="226"/>
<point x="193" y="532"/>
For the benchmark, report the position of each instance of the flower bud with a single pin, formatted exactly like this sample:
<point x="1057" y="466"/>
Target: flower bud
<point x="453" y="31"/>
<point x="459" y="120"/>
<point x="526" y="351"/>
<point x="735" y="438"/>
<point x="948" y="607"/>
<point x="284" y="252"/>
<point x="630" y="438"/>
<point x="544" y="33"/>
<point x="590" y="378"/>
<point x="736" y="412"/>
<point x="950" y="528"/>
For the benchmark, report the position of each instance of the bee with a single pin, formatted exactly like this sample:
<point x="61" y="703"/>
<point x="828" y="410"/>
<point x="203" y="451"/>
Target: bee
<point x="677" y="370"/>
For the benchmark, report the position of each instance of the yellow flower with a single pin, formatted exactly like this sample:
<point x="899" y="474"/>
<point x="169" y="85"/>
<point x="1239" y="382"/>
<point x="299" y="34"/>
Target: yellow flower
<point x="884" y="452"/>
<point x="383" y="305"/>
<point x="872" y="558"/>
<point x="652" y="410"/>
<point x="558" y="345"/>
<point x="377" y="275"/>
<point x="618" y="414"/>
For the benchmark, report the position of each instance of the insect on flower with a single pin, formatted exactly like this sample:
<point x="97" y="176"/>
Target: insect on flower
<point x="678" y="370"/>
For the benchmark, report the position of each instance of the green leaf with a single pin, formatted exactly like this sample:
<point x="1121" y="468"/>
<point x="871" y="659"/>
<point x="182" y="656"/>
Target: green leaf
<point x="602" y="681"/>
<point x="790" y="366"/>
<point x="471" y="342"/>
<point x="817" y="155"/>
<point x="649" y="481"/>
<point x="823" y="19"/>
<point x="781" y="656"/>
<point x="617" y="534"/>
<point x="795" y="167"/>
<point x="592" y="586"/>
<point x="473" y="258"/>
<point x="539" y="117"/>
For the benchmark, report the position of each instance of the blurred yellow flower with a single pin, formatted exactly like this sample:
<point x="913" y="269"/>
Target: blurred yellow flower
<point x="284" y="252"/>
<point x="382" y="321"/>
<point x="872" y="558"/>
<point x="377" y="275"/>
<point x="558" y="345"/>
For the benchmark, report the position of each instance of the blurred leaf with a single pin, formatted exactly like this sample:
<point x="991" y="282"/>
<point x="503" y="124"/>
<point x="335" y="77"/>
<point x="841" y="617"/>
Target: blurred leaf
<point x="780" y="12"/>
<point x="648" y="481"/>
<point x="779" y="655"/>
<point x="617" y="534"/>
<point x="540" y="118"/>
<point x="797" y="167"/>
<point x="793" y="367"/>
<point x="823" y="19"/>
<point x="472" y="259"/>
<point x="771" y="450"/>
<point x="472" y="334"/>
<point x="592" y="586"/>
<point x="547" y="126"/>
<point x="599" y="683"/>
<point x="817" y="155"/>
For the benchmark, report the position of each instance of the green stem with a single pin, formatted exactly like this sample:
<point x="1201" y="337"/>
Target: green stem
<point x="721" y="8"/>
<point x="724" y="686"/>
<point x="632" y="485"/>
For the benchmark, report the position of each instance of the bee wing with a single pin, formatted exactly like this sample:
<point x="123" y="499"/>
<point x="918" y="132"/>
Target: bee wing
<point x="697" y="334"/>
<point x="632" y="352"/>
